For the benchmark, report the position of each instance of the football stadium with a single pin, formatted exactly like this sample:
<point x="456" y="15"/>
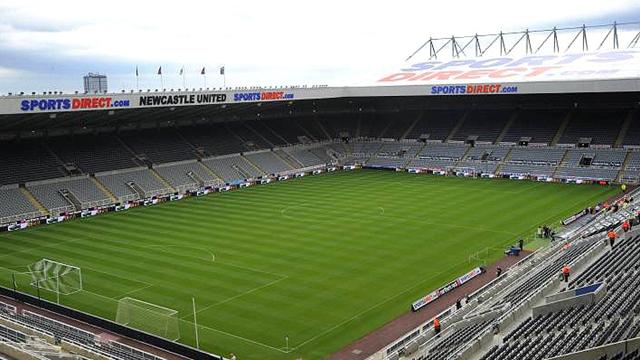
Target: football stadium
<point x="479" y="202"/>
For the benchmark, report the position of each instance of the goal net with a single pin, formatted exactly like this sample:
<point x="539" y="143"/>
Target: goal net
<point x="57" y="277"/>
<point x="150" y="318"/>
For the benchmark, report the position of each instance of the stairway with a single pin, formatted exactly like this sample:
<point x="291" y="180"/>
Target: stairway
<point x="506" y="128"/>
<point x="32" y="199"/>
<point x="563" y="126"/>
<point x="504" y="161"/>
<point x="162" y="180"/>
<point x="458" y="125"/>
<point x="627" y="157"/>
<point x="292" y="162"/>
<point x="71" y="199"/>
<point x="559" y="166"/>
<point x="104" y="189"/>
<point x="254" y="165"/>
<point x="137" y="189"/>
<point x="211" y="172"/>
<point x="413" y="124"/>
<point x="625" y="127"/>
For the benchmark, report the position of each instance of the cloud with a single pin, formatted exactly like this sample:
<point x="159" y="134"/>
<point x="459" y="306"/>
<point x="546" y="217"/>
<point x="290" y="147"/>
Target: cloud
<point x="329" y="41"/>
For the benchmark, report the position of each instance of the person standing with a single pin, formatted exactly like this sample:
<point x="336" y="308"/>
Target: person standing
<point x="436" y="326"/>
<point x="566" y="271"/>
<point x="626" y="226"/>
<point x="612" y="235"/>
<point x="498" y="272"/>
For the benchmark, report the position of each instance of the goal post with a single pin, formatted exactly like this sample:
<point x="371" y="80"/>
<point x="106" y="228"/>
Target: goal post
<point x="54" y="276"/>
<point x="148" y="317"/>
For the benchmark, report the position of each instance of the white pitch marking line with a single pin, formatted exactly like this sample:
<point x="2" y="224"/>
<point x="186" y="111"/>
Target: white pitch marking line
<point x="237" y="296"/>
<point x="134" y="291"/>
<point x="206" y="327"/>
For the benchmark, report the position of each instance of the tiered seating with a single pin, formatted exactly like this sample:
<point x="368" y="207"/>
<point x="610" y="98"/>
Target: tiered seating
<point x="287" y="128"/>
<point x="540" y="125"/>
<point x="269" y="162"/>
<point x="601" y="157"/>
<point x="373" y="126"/>
<point x="83" y="188"/>
<point x="443" y="151"/>
<point x="485" y="124"/>
<point x="213" y="139"/>
<point x="69" y="333"/>
<point x="306" y="157"/>
<point x="23" y="162"/>
<point x="587" y="173"/>
<point x="536" y="156"/>
<point x="577" y="328"/>
<point x="632" y="137"/>
<point x="321" y="153"/>
<point x="143" y="178"/>
<point x="15" y="206"/>
<point x="437" y="123"/>
<point x="334" y="125"/>
<point x="252" y="141"/>
<point x="602" y="126"/>
<point x="314" y="129"/>
<point x="400" y="123"/>
<point x="531" y="170"/>
<point x="232" y="168"/>
<point x="187" y="175"/>
<point x="12" y="335"/>
<point x="394" y="154"/>
<point x="159" y="146"/>
<point x="87" y="153"/>
<point x="487" y="153"/>
<point x="453" y="340"/>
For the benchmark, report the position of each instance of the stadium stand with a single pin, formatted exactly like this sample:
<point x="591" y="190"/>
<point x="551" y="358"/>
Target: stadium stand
<point x="83" y="194"/>
<point x="600" y="125"/>
<point x="158" y="146"/>
<point x="486" y="125"/>
<point x="27" y="161"/>
<point x="232" y="168"/>
<point x="46" y="329"/>
<point x="437" y="123"/>
<point x="269" y="162"/>
<point x="15" y="206"/>
<point x="133" y="184"/>
<point x="540" y="125"/>
<point x="87" y="153"/>
<point x="212" y="140"/>
<point x="190" y="175"/>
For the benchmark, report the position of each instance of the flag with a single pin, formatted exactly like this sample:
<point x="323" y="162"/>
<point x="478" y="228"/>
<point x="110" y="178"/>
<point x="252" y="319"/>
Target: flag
<point x="137" y="74"/>
<point x="182" y="70"/>
<point x="160" y="70"/>
<point x="203" y="71"/>
<point x="222" y="70"/>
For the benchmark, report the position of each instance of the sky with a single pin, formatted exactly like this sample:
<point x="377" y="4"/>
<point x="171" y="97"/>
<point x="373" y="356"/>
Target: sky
<point x="48" y="45"/>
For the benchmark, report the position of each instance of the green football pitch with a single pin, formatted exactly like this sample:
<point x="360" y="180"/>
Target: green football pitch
<point x="322" y="260"/>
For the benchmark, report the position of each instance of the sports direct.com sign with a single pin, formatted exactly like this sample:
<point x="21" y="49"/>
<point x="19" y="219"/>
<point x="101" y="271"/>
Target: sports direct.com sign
<point x="583" y="66"/>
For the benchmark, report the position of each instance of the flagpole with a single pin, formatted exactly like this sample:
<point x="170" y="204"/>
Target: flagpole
<point x="161" y="82"/>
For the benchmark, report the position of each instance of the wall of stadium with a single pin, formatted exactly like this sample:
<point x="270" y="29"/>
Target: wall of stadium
<point x="611" y="71"/>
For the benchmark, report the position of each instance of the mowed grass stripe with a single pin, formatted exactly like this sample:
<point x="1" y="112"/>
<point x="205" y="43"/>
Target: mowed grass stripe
<point x="300" y="258"/>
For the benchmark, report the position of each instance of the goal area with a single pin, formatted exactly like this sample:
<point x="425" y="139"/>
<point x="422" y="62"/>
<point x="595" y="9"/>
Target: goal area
<point x="54" y="276"/>
<point x="148" y="317"/>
